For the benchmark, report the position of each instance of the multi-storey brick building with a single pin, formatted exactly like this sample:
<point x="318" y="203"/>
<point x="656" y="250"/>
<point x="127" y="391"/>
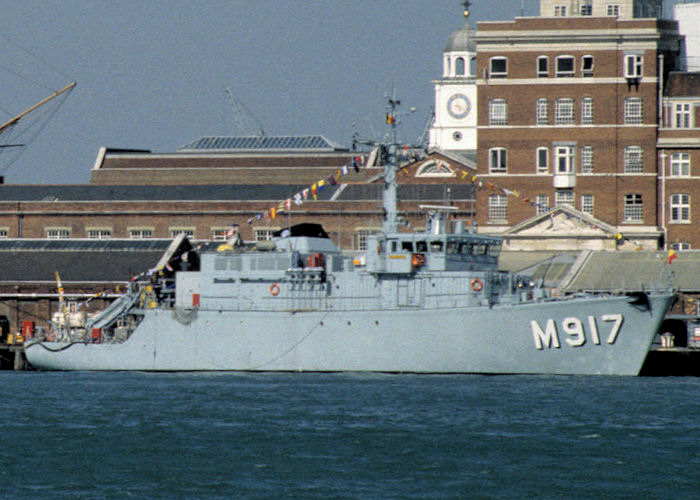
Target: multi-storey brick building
<point x="569" y="113"/>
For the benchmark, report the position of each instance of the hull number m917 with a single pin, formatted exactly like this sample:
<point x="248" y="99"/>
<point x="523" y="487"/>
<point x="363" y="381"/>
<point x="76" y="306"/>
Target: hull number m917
<point x="576" y="333"/>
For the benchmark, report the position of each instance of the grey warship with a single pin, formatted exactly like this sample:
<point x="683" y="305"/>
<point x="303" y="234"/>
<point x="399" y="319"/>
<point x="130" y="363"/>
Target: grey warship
<point x="421" y="302"/>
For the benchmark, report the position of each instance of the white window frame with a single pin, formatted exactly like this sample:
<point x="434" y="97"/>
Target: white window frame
<point x="542" y="72"/>
<point x="586" y="8"/>
<point x="586" y="159"/>
<point x="435" y="168"/>
<point x="682" y="117"/>
<point x="679" y="165"/>
<point x="498" y="112"/>
<point x="633" y="65"/>
<point x="174" y="231"/>
<point x="587" y="203"/>
<point x="568" y="73"/>
<point x="586" y="67"/>
<point x="219" y="233"/>
<point x="498" y="208"/>
<point x="633" y="208"/>
<point x="264" y="233"/>
<point x="541" y="204"/>
<point x="498" y="160"/>
<point x="587" y="111"/>
<point x="140" y="233"/>
<point x="564" y="197"/>
<point x="498" y="73"/>
<point x="679" y="205"/>
<point x="57" y="233"/>
<point x="680" y="246"/>
<point x="564" y="111"/>
<point x="542" y="111"/>
<point x="564" y="160"/>
<point x="560" y="11"/>
<point x="542" y="160"/>
<point x="634" y="111"/>
<point x="634" y="160"/>
<point x="98" y="233"/>
<point x="4" y="232"/>
<point x="613" y="9"/>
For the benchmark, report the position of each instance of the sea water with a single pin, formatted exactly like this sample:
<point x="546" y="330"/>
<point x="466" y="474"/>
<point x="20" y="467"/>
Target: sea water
<point x="310" y="435"/>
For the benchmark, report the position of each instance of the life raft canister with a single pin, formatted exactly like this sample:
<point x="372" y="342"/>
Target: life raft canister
<point x="477" y="285"/>
<point x="274" y="289"/>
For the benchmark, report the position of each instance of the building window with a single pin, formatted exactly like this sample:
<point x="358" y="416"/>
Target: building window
<point x="681" y="115"/>
<point x="264" y="233"/>
<point x="564" y="159"/>
<point x="613" y="9"/>
<point x="564" y="197"/>
<point x="587" y="201"/>
<point x="99" y="234"/>
<point x="633" y="65"/>
<point x="219" y="233"/>
<point x="564" y="112"/>
<point x="543" y="66"/>
<point x="361" y="236"/>
<point x="498" y="160"/>
<point x="559" y="10"/>
<point x="498" y="67"/>
<point x="587" y="111"/>
<point x="188" y="231"/>
<point x="57" y="233"/>
<point x="542" y="160"/>
<point x="542" y="203"/>
<point x="140" y="233"/>
<point x="565" y="66"/>
<point x="633" y="160"/>
<point x="587" y="66"/>
<point x="680" y="165"/>
<point x="498" y="208"/>
<point x="634" y="209"/>
<point x="633" y="111"/>
<point x="498" y="112"/>
<point x="542" y="112"/>
<point x="680" y="208"/>
<point x="587" y="7"/>
<point x="586" y="159"/>
<point x="435" y="168"/>
<point x="680" y="246"/>
<point x="3" y="233"/>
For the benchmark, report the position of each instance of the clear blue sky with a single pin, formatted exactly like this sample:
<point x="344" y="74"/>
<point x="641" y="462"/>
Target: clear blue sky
<point x="151" y="74"/>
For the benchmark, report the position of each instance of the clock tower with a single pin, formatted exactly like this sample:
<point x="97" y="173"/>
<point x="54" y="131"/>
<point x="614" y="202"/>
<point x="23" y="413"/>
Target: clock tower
<point x="454" y="127"/>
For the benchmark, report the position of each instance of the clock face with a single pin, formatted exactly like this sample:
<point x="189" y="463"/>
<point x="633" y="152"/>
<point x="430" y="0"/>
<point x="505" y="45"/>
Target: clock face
<point x="459" y="106"/>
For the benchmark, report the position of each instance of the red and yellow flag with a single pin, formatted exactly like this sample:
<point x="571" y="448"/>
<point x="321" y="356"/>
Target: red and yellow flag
<point x="671" y="255"/>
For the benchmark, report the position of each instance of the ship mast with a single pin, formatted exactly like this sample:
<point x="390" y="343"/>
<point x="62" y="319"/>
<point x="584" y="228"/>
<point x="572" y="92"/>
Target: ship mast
<point x="390" y="223"/>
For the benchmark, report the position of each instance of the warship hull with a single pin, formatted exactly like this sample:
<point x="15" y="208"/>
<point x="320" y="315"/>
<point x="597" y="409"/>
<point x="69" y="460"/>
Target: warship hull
<point x="597" y="335"/>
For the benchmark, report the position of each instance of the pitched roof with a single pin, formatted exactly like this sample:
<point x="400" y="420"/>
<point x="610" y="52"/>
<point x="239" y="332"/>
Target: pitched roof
<point x="683" y="84"/>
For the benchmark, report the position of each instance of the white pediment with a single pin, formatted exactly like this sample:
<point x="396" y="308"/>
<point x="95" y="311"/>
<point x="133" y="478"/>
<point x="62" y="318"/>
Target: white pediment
<point x="562" y="221"/>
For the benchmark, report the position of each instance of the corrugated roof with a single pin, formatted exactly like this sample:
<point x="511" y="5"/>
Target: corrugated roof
<point x="262" y="143"/>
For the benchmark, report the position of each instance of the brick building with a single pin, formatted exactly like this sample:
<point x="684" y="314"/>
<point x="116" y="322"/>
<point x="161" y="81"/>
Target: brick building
<point x="570" y="112"/>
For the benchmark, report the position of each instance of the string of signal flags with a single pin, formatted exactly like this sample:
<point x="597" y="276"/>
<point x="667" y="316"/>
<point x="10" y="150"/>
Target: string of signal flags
<point x="311" y="192"/>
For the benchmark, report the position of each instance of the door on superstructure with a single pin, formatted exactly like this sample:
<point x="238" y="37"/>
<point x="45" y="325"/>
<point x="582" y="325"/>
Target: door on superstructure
<point x="408" y="292"/>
